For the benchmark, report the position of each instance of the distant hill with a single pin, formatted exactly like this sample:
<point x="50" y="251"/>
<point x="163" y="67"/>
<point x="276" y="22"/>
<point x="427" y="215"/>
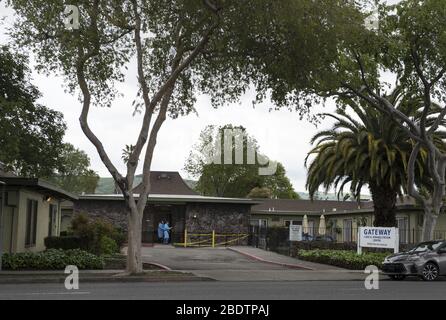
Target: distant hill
<point x="107" y="185"/>
<point x="330" y="196"/>
<point x="191" y="183"/>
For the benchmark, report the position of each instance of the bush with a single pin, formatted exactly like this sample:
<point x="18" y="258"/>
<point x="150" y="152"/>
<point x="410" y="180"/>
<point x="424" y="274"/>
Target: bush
<point x="322" y="245"/>
<point x="344" y="259"/>
<point x="108" y="246"/>
<point x="52" y="259"/>
<point x="100" y="235"/>
<point x="347" y="246"/>
<point x="66" y="243"/>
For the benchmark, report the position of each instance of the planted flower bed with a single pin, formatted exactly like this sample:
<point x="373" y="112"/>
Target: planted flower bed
<point x="344" y="259"/>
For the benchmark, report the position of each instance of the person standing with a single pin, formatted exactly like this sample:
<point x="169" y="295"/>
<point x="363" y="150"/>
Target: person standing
<point x="161" y="231"/>
<point x="166" y="235"/>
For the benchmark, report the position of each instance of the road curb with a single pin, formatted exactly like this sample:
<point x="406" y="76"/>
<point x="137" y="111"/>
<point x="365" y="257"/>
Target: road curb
<point x="288" y="265"/>
<point x="159" y="265"/>
<point x="106" y="280"/>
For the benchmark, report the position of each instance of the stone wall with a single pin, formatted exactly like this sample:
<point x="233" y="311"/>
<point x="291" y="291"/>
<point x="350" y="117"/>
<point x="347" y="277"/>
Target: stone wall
<point x="223" y="218"/>
<point x="198" y="217"/>
<point x="113" y="211"/>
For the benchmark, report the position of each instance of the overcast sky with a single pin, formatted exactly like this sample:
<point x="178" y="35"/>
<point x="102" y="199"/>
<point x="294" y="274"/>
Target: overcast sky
<point x="280" y="134"/>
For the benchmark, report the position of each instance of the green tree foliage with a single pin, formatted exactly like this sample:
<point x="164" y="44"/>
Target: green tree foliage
<point x="234" y="179"/>
<point x="259" y="193"/>
<point x="364" y="147"/>
<point x="74" y="174"/>
<point x="30" y="134"/>
<point x="182" y="48"/>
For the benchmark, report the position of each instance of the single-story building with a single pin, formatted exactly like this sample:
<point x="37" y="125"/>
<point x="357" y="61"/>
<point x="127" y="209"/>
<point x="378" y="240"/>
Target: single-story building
<point x="30" y="209"/>
<point x="33" y="209"/>
<point x="171" y="199"/>
<point x="342" y="218"/>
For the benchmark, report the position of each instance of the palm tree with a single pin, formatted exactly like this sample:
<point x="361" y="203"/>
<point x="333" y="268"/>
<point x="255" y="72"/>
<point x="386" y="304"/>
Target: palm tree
<point x="368" y="149"/>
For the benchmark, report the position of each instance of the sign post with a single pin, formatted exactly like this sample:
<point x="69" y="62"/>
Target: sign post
<point x="295" y="233"/>
<point x="378" y="237"/>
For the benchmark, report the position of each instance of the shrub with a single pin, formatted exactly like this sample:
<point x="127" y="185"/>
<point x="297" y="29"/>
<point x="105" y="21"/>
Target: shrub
<point x="52" y="259"/>
<point x="343" y="259"/>
<point x="108" y="246"/>
<point x="100" y="235"/>
<point x="66" y="243"/>
<point x="348" y="246"/>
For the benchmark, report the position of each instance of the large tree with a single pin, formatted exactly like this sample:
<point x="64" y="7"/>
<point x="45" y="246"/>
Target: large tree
<point x="409" y="45"/>
<point x="179" y="48"/>
<point x="74" y="173"/>
<point x="234" y="178"/>
<point x="366" y="148"/>
<point x="31" y="135"/>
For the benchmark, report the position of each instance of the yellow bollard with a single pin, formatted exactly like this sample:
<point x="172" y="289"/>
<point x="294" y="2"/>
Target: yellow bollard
<point x="185" y="238"/>
<point x="213" y="238"/>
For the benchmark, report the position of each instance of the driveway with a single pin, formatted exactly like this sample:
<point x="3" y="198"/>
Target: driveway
<point x="203" y="259"/>
<point x="226" y="265"/>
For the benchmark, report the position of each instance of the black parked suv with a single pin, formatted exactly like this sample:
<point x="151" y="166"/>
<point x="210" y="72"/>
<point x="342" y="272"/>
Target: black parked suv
<point x="426" y="260"/>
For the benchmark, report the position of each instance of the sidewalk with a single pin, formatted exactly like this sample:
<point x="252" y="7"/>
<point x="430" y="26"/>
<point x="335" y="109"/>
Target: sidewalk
<point x="9" y="277"/>
<point x="282" y="260"/>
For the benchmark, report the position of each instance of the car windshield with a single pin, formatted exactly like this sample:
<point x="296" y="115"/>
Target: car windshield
<point x="426" y="246"/>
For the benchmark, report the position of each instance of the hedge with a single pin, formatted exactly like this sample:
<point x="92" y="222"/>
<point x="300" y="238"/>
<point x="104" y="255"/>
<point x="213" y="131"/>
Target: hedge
<point x="52" y="259"/>
<point x="66" y="243"/>
<point x="344" y="259"/>
<point x="345" y="246"/>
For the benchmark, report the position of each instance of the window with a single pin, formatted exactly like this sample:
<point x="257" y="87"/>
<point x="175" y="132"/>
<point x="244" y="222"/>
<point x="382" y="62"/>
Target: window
<point x="311" y="230"/>
<point x="52" y="220"/>
<point x="31" y="223"/>
<point x="262" y="223"/>
<point x="347" y="232"/>
<point x="403" y="229"/>
<point x="292" y="222"/>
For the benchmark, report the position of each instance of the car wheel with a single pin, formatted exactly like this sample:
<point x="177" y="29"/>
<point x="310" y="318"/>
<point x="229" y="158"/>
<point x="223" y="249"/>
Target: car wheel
<point x="430" y="272"/>
<point x="397" y="277"/>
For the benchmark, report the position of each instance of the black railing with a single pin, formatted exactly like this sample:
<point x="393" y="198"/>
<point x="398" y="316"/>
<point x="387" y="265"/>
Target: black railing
<point x="277" y="238"/>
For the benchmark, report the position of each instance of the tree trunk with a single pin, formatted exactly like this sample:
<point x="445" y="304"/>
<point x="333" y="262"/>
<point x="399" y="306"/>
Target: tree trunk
<point x="384" y="203"/>
<point x="429" y="222"/>
<point x="134" y="260"/>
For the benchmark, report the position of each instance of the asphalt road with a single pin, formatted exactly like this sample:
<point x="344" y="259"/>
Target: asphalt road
<point x="230" y="290"/>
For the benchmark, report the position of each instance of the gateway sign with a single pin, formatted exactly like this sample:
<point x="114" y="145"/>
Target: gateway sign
<point x="370" y="237"/>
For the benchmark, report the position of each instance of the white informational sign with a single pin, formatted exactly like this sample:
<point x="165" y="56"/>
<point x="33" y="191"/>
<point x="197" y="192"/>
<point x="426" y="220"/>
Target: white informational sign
<point x="295" y="233"/>
<point x="374" y="237"/>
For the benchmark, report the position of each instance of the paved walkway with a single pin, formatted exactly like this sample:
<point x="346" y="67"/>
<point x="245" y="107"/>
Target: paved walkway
<point x="279" y="259"/>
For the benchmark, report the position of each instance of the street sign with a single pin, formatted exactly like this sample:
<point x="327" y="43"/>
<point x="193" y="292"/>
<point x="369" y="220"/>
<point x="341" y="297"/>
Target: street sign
<point x="374" y="237"/>
<point x="295" y="233"/>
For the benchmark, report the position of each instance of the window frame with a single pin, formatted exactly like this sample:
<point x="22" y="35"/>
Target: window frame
<point x="32" y="210"/>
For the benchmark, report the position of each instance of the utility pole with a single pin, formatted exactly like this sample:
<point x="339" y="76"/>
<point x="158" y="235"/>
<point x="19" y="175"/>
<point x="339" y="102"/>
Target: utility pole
<point x="2" y="205"/>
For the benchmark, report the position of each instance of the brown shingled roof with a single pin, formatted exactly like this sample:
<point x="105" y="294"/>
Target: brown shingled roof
<point x="308" y="206"/>
<point x="166" y="182"/>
